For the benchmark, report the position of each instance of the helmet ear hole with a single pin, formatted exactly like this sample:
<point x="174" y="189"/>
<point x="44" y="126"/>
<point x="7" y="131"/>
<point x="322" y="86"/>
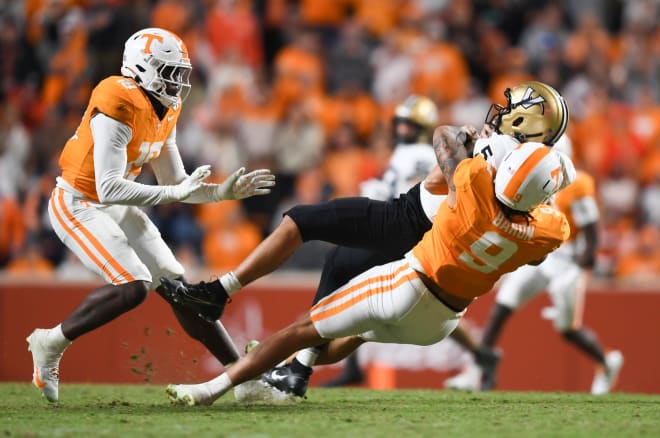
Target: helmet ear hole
<point x="517" y="121"/>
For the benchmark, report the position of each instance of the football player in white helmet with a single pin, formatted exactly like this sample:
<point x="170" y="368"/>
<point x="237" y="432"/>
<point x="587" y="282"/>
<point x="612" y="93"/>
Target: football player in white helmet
<point x="564" y="275"/>
<point x="412" y="160"/>
<point x="130" y="121"/>
<point x="420" y="298"/>
<point x="363" y="229"/>
<point x="413" y="157"/>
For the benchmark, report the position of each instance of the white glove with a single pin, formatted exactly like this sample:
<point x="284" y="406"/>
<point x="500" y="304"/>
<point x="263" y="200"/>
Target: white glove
<point x="191" y="183"/>
<point x="239" y="186"/>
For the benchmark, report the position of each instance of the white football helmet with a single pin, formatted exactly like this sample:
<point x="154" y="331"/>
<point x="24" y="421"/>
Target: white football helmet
<point x="530" y="174"/>
<point x="158" y="61"/>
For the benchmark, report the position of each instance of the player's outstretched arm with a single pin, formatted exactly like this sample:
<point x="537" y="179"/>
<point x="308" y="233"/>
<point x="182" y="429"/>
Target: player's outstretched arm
<point x="111" y="138"/>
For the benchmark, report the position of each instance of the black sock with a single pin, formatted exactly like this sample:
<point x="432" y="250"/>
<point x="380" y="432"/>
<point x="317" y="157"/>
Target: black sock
<point x="299" y="368"/>
<point x="499" y="315"/>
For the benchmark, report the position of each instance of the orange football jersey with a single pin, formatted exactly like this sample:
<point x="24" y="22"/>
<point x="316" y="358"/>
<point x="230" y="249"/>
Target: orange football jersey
<point x="471" y="245"/>
<point x="583" y="186"/>
<point x="123" y="100"/>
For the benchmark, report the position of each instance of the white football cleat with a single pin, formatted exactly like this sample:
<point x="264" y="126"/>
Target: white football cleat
<point x="190" y="395"/>
<point x="254" y="391"/>
<point x="468" y="380"/>
<point x="46" y="365"/>
<point x="606" y="376"/>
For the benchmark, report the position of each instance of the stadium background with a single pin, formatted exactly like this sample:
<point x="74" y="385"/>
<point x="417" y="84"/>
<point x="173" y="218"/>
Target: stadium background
<point x="307" y="88"/>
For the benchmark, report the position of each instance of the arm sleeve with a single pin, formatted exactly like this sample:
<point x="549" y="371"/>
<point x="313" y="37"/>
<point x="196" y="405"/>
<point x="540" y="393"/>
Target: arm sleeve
<point x="110" y="140"/>
<point x="168" y="167"/>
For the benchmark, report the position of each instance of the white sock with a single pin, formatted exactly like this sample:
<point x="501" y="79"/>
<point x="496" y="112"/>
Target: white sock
<point x="56" y="338"/>
<point x="308" y="356"/>
<point x="219" y="385"/>
<point x="230" y="283"/>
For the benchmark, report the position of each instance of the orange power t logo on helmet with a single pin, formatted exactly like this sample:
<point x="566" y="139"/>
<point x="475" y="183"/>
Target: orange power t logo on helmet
<point x="555" y="175"/>
<point x="150" y="38"/>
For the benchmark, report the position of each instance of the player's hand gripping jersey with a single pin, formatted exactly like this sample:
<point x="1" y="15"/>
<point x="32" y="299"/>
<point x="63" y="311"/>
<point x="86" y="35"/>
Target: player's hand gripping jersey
<point x="471" y="245"/>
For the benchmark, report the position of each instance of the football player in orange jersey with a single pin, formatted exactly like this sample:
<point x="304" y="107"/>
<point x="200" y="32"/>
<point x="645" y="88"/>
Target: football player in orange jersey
<point x="489" y="224"/>
<point x="363" y="228"/>
<point x="564" y="275"/>
<point x="130" y="121"/>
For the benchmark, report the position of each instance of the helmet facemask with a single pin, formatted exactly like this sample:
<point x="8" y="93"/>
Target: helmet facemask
<point x="171" y="86"/>
<point x="496" y="111"/>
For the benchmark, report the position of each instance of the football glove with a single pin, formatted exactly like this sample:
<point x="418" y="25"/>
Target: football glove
<point x="240" y="185"/>
<point x="191" y="183"/>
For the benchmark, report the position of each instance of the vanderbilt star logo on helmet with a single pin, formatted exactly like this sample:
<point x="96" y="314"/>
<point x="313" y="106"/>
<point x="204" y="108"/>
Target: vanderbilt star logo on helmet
<point x="528" y="101"/>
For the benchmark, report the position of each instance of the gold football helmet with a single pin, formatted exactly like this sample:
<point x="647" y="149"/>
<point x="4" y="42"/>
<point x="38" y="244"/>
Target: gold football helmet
<point x="420" y="112"/>
<point x="535" y="112"/>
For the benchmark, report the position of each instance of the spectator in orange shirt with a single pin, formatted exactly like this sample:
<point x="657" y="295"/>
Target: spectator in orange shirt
<point x="298" y="67"/>
<point x="12" y="229"/>
<point x="513" y="71"/>
<point x="350" y="105"/>
<point x="297" y="145"/>
<point x="30" y="264"/>
<point x="346" y="162"/>
<point x="440" y="70"/>
<point x="68" y="64"/>
<point x="643" y="263"/>
<point x="231" y="25"/>
<point x="230" y="241"/>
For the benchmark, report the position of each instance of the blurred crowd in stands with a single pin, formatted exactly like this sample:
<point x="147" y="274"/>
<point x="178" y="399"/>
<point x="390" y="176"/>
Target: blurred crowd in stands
<point x="307" y="88"/>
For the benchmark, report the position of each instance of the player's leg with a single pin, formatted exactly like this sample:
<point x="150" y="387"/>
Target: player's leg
<point x="354" y="222"/>
<point x="342" y="264"/>
<point x="567" y="292"/>
<point x="403" y="311"/>
<point x="92" y="234"/>
<point x="148" y="244"/>
<point x="265" y="355"/>
<point x="515" y="290"/>
<point x="469" y="379"/>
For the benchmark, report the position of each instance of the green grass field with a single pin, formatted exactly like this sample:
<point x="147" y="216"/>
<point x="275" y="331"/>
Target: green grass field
<point x="144" y="411"/>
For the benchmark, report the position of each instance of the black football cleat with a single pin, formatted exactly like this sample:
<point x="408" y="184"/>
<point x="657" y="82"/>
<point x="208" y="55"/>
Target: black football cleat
<point x="208" y="300"/>
<point x="288" y="381"/>
<point x="488" y="359"/>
